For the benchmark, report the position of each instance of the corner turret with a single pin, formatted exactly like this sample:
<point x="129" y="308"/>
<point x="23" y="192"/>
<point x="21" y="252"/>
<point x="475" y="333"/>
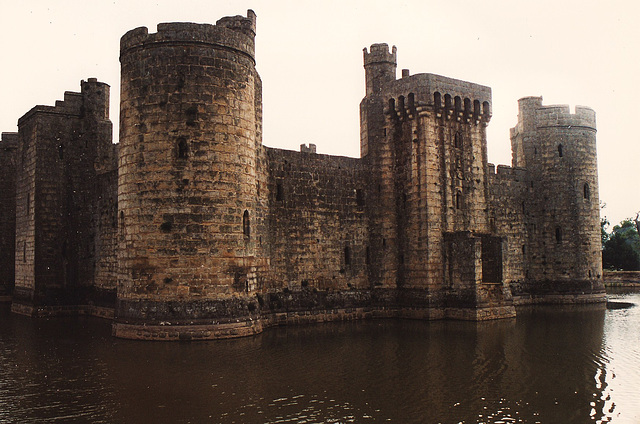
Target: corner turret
<point x="380" y="66"/>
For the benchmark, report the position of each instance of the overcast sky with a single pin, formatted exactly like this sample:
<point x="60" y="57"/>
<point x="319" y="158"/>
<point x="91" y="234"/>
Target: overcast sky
<point x="309" y="55"/>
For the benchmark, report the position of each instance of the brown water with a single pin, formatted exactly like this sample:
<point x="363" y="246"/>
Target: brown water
<point x="550" y="365"/>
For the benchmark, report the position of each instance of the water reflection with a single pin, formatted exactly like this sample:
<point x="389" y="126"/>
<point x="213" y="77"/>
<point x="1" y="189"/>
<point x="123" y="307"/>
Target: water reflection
<point x="550" y="365"/>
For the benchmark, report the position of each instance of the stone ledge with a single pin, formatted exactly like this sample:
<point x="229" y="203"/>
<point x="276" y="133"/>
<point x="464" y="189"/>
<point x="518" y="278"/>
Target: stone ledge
<point x="559" y="299"/>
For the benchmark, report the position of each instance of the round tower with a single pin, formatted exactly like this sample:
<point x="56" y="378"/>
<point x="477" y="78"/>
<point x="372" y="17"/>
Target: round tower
<point x="558" y="149"/>
<point x="379" y="67"/>
<point x="187" y="188"/>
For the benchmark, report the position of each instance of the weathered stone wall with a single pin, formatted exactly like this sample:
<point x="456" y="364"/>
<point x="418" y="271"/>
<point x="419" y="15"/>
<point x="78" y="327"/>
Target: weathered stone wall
<point x="8" y="164"/>
<point x="61" y="149"/>
<point x="558" y="149"/>
<point x="188" y="203"/>
<point x="508" y="211"/>
<point x="317" y="223"/>
<point x="205" y="233"/>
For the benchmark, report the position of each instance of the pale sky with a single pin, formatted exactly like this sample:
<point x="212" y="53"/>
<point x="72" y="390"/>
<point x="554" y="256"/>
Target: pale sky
<point x="309" y="55"/>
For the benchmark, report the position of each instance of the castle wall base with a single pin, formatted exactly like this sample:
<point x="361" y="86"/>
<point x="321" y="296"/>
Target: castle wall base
<point x="57" y="311"/>
<point x="207" y="320"/>
<point x="249" y="326"/>
<point x="560" y="299"/>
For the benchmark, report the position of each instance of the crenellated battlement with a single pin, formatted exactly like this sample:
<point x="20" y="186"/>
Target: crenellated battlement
<point x="71" y="105"/>
<point x="93" y="98"/>
<point x="505" y="173"/>
<point x="449" y="98"/>
<point x="533" y="114"/>
<point x="561" y="116"/>
<point x="8" y="140"/>
<point x="234" y="32"/>
<point x="246" y="25"/>
<point x="379" y="53"/>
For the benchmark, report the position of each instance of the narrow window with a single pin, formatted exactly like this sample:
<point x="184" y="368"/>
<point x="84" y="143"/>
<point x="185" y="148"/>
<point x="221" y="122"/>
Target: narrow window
<point x="476" y="109"/>
<point x="558" y="235"/>
<point x="392" y="105"/>
<point x="279" y="194"/>
<point x="183" y="148"/>
<point x="486" y="110"/>
<point x="367" y="257"/>
<point x="412" y="101"/>
<point x="523" y="249"/>
<point x="447" y="101"/>
<point x="523" y="208"/>
<point x="458" y="200"/>
<point x="61" y="152"/>
<point x="586" y="192"/>
<point x="559" y="150"/>
<point x="122" y="225"/>
<point x="457" y="104"/>
<point x="457" y="140"/>
<point x="246" y="227"/>
<point x="347" y="255"/>
<point x="535" y="151"/>
<point x="359" y="197"/>
<point x="401" y="103"/>
<point x="437" y="100"/>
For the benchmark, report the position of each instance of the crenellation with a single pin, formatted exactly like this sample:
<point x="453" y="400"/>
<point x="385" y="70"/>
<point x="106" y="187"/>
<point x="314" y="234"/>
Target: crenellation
<point x="190" y="228"/>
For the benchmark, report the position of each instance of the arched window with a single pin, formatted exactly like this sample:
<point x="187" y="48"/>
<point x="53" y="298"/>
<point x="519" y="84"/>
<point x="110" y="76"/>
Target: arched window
<point x="586" y="191"/>
<point x="183" y="148"/>
<point x="486" y="109"/>
<point x="447" y="101"/>
<point x="457" y="104"/>
<point x="476" y="109"/>
<point x="437" y="101"/>
<point x="246" y="226"/>
<point x="559" y="150"/>
<point x="392" y="105"/>
<point x="412" y="101"/>
<point x="467" y="106"/>
<point x="558" y="235"/>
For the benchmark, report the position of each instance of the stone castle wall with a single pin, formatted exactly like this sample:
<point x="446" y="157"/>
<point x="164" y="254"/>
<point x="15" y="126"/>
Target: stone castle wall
<point x="317" y="224"/>
<point x="8" y="165"/>
<point x="188" y="175"/>
<point x="61" y="149"/>
<point x="190" y="228"/>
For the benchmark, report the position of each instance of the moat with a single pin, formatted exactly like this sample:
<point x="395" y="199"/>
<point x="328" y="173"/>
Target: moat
<point x="549" y="365"/>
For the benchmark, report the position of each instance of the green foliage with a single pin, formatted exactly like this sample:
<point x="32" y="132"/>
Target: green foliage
<point x="621" y="249"/>
<point x="604" y="236"/>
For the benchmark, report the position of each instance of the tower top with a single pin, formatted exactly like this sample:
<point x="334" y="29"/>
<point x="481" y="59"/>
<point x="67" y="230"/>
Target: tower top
<point x="379" y="53"/>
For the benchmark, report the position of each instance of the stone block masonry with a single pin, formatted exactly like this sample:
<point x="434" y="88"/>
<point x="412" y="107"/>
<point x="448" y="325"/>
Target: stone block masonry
<point x="8" y="165"/>
<point x="190" y="228"/>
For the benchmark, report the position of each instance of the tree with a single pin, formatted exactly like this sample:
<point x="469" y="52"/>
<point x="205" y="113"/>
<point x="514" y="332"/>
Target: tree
<point x="622" y="248"/>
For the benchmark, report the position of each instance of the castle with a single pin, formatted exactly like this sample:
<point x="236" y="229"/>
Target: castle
<point x="190" y="228"/>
